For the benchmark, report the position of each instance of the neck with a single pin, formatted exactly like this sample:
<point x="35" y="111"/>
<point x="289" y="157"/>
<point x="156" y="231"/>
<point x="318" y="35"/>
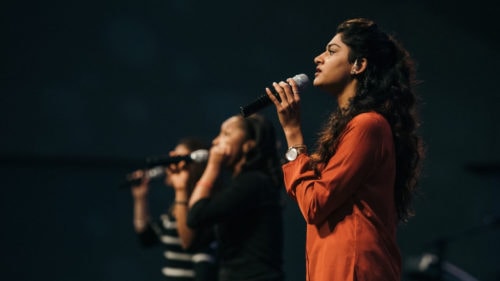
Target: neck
<point x="238" y="166"/>
<point x="348" y="92"/>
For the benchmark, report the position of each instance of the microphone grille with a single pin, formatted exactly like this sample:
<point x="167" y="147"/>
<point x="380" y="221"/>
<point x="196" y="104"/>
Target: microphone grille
<point x="301" y="80"/>
<point x="155" y="172"/>
<point x="200" y="155"/>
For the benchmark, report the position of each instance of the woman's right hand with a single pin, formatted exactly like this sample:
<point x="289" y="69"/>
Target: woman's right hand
<point x="219" y="154"/>
<point x="288" y="109"/>
<point x="177" y="175"/>
<point x="139" y="191"/>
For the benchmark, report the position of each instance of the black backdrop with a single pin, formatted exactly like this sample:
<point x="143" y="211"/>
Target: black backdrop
<point x="90" y="88"/>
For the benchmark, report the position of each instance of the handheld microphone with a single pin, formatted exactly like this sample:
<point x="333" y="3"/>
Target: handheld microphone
<point x="300" y="79"/>
<point x="152" y="173"/>
<point x="155" y="166"/>
<point x="198" y="156"/>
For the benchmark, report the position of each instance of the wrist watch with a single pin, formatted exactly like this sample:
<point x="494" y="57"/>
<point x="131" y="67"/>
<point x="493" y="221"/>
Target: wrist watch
<point x="294" y="151"/>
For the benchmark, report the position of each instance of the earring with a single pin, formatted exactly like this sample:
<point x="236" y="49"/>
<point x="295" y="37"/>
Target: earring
<point x="353" y="71"/>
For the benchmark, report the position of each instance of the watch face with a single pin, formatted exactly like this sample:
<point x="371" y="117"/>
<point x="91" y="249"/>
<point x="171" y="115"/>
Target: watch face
<point x="291" y="154"/>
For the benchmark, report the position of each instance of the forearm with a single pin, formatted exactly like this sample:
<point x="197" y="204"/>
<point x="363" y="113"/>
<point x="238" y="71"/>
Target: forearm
<point x="186" y="234"/>
<point x="141" y="213"/>
<point x="204" y="186"/>
<point x="293" y="135"/>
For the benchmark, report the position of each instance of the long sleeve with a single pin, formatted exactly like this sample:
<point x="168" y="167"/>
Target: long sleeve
<point x="248" y="218"/>
<point x="350" y="206"/>
<point x="232" y="201"/>
<point x="357" y="154"/>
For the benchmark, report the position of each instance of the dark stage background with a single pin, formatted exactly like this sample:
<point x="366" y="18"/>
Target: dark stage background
<point x="91" y="88"/>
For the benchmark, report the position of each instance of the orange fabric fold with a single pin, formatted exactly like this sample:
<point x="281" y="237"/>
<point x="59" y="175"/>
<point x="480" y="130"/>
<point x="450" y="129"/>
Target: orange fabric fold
<point x="349" y="209"/>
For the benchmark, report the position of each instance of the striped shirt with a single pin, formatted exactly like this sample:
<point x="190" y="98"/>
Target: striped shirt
<point x="180" y="264"/>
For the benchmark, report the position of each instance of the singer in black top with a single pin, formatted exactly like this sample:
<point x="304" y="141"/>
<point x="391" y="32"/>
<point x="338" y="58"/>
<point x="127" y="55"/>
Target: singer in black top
<point x="190" y="255"/>
<point x="248" y="209"/>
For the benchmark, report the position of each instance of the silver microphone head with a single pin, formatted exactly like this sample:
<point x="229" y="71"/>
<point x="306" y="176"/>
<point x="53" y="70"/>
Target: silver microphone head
<point x="200" y="155"/>
<point x="301" y="80"/>
<point x="155" y="172"/>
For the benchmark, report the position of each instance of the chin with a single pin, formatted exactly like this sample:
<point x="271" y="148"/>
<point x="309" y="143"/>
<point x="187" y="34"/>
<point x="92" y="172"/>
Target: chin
<point x="316" y="82"/>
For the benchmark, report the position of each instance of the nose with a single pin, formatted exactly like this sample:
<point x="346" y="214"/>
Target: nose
<point x="318" y="58"/>
<point x="215" y="141"/>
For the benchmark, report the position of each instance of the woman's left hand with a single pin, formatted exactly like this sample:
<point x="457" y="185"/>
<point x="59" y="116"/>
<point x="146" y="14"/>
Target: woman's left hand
<point x="178" y="175"/>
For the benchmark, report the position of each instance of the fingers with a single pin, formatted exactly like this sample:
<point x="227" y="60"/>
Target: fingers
<point x="274" y="96"/>
<point x="138" y="174"/>
<point x="176" y="167"/>
<point x="219" y="154"/>
<point x="178" y="180"/>
<point x="295" y="89"/>
<point x="285" y="94"/>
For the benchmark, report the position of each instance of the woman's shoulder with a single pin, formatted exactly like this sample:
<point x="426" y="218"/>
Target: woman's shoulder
<point x="369" y="119"/>
<point x="369" y="124"/>
<point x="369" y="116"/>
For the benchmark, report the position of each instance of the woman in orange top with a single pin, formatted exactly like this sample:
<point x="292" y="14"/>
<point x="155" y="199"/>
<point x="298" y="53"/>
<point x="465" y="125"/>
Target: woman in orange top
<point x="357" y="185"/>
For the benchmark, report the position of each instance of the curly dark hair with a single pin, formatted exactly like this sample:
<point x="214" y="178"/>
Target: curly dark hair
<point x="386" y="87"/>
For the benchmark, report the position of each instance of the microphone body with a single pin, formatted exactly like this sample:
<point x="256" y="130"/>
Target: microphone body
<point x="155" y="166"/>
<point x="198" y="156"/>
<point x="263" y="101"/>
<point x="151" y="173"/>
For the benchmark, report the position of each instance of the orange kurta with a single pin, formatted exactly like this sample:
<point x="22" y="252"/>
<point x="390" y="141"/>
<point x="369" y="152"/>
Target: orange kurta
<point x="349" y="210"/>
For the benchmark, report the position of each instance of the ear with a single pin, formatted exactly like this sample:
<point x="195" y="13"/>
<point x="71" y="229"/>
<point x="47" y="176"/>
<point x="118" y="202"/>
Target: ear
<point x="359" y="66"/>
<point x="248" y="145"/>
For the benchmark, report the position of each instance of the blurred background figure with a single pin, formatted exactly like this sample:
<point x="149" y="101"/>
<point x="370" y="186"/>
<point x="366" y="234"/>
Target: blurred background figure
<point x="247" y="211"/>
<point x="189" y="255"/>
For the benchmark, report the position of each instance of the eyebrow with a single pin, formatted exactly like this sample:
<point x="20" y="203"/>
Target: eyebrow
<point x="332" y="44"/>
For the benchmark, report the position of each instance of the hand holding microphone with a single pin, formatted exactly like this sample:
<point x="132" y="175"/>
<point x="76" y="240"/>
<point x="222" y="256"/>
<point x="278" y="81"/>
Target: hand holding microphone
<point x="300" y="80"/>
<point x="156" y="167"/>
<point x="198" y="156"/>
<point x="142" y="177"/>
<point x="286" y="99"/>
